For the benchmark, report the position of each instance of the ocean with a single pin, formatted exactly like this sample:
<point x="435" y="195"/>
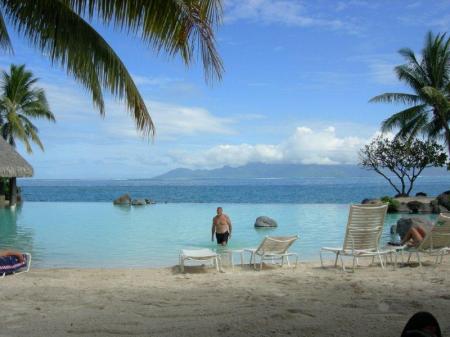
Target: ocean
<point x="306" y="190"/>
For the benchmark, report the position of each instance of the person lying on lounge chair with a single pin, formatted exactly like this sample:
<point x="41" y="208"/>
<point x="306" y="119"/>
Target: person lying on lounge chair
<point x="414" y="236"/>
<point x="7" y="253"/>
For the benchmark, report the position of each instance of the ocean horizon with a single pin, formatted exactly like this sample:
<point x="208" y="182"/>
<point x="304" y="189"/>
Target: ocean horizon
<point x="340" y="190"/>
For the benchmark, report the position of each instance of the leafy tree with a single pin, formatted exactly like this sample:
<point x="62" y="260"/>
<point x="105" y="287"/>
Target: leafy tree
<point x="60" y="29"/>
<point x="405" y="159"/>
<point x="429" y="78"/>
<point x="20" y="101"/>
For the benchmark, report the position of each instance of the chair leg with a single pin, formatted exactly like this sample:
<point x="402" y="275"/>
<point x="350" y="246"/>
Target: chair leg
<point x="287" y="260"/>
<point x="409" y="257"/>
<point x="418" y="259"/>
<point x="321" y="259"/>
<point x="261" y="263"/>
<point x="373" y="260"/>
<point x="336" y="259"/>
<point x="381" y="260"/>
<point x="182" y="264"/>
<point x="342" y="262"/>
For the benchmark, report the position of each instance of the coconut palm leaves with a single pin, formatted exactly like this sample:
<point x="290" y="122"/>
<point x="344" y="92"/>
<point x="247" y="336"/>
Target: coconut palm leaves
<point x="20" y="101"/>
<point x="429" y="79"/>
<point x="59" y="28"/>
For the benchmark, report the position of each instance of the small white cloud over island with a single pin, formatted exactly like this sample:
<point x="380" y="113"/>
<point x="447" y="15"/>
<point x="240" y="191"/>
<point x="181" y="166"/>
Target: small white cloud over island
<point x="304" y="146"/>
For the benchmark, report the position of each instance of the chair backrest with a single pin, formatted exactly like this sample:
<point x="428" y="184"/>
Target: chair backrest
<point x="439" y="236"/>
<point x="364" y="227"/>
<point x="276" y="244"/>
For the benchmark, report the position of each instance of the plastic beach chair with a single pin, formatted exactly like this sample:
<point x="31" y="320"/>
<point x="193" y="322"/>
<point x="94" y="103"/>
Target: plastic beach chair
<point x="200" y="255"/>
<point x="14" y="267"/>
<point x="436" y="242"/>
<point x="272" y="248"/>
<point x="362" y="236"/>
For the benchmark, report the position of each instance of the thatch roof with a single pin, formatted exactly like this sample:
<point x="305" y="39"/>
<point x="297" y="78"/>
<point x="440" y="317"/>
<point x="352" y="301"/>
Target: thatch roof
<point x="11" y="163"/>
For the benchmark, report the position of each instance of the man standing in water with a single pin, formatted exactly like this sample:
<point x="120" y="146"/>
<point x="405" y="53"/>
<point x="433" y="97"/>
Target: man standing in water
<point x="221" y="226"/>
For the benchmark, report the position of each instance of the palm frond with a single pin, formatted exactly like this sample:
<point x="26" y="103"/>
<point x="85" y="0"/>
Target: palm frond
<point x="59" y="32"/>
<point x="5" y="41"/>
<point x="401" y="119"/>
<point x="174" y="26"/>
<point x="391" y="97"/>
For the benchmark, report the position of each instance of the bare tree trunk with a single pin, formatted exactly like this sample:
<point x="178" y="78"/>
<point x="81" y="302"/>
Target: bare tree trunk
<point x="12" y="192"/>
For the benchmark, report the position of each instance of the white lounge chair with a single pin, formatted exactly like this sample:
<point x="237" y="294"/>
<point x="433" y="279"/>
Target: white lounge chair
<point x="362" y="236"/>
<point x="271" y="248"/>
<point x="199" y="255"/>
<point x="436" y="242"/>
<point x="24" y="269"/>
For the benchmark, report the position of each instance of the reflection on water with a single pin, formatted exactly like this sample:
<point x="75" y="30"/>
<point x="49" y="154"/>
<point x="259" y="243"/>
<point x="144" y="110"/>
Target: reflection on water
<point x="12" y="234"/>
<point x="92" y="235"/>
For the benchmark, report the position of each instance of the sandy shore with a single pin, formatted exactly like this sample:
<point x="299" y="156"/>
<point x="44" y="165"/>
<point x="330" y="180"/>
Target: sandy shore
<point x="308" y="301"/>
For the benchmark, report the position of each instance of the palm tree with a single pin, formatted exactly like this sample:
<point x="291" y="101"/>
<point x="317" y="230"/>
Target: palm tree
<point x="60" y="29"/>
<point x="429" y="78"/>
<point x="20" y="101"/>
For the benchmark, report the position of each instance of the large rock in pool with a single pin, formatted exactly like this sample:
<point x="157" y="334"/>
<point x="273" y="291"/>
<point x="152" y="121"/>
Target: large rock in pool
<point x="123" y="200"/>
<point x="404" y="224"/>
<point x="264" y="222"/>
<point x="444" y="199"/>
<point x="139" y="202"/>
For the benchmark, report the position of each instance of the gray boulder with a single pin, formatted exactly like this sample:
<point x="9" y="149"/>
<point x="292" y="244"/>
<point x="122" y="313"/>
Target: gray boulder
<point x="372" y="202"/>
<point x="265" y="221"/>
<point x="404" y="224"/>
<point x="139" y="202"/>
<point x="415" y="206"/>
<point x="123" y="200"/>
<point x="444" y="199"/>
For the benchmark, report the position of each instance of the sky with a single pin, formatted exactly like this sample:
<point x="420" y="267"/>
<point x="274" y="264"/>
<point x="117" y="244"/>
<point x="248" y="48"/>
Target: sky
<point x="298" y="78"/>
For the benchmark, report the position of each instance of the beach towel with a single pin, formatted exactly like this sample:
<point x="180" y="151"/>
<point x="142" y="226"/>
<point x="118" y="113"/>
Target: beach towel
<point x="10" y="264"/>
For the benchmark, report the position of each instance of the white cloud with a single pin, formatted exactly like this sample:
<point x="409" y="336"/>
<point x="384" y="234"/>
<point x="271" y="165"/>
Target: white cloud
<point x="153" y="81"/>
<point x="304" y="146"/>
<point x="276" y="11"/>
<point x="171" y="120"/>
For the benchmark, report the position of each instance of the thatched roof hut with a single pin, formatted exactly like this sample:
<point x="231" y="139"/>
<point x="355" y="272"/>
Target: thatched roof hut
<point x="11" y="163"/>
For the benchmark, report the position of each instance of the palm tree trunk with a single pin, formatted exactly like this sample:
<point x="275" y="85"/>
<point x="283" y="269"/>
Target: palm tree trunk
<point x="12" y="192"/>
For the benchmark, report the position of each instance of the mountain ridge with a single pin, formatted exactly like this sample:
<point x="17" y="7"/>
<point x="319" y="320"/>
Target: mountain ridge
<point x="267" y="171"/>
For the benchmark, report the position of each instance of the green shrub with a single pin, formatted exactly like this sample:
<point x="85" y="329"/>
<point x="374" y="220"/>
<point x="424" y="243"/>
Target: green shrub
<point x="393" y="204"/>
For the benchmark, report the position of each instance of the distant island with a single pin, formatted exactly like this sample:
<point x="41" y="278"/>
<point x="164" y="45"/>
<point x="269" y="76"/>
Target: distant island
<point x="279" y="171"/>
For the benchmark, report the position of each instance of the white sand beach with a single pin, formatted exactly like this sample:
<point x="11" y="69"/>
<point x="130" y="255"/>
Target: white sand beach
<point x="307" y="301"/>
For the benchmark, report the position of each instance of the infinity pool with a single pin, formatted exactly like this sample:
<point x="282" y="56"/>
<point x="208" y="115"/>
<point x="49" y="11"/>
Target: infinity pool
<point x="100" y="235"/>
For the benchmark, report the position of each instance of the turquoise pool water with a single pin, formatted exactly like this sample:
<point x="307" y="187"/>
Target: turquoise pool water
<point x="95" y="234"/>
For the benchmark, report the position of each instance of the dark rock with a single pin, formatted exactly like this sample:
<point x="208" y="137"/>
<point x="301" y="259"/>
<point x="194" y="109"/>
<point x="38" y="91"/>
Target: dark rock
<point x="123" y="200"/>
<point x="415" y="206"/>
<point x="265" y="221"/>
<point x="435" y="207"/>
<point x="400" y="195"/>
<point x="138" y="202"/>
<point x="421" y="194"/>
<point x="404" y="224"/>
<point x="444" y="199"/>
<point x="372" y="202"/>
<point x="150" y="202"/>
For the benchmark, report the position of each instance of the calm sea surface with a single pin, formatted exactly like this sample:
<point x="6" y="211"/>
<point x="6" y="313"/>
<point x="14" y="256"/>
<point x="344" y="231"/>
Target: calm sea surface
<point x="305" y="190"/>
<point x="74" y="224"/>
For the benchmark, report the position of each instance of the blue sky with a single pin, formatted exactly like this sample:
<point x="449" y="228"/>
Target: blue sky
<point x="298" y="77"/>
